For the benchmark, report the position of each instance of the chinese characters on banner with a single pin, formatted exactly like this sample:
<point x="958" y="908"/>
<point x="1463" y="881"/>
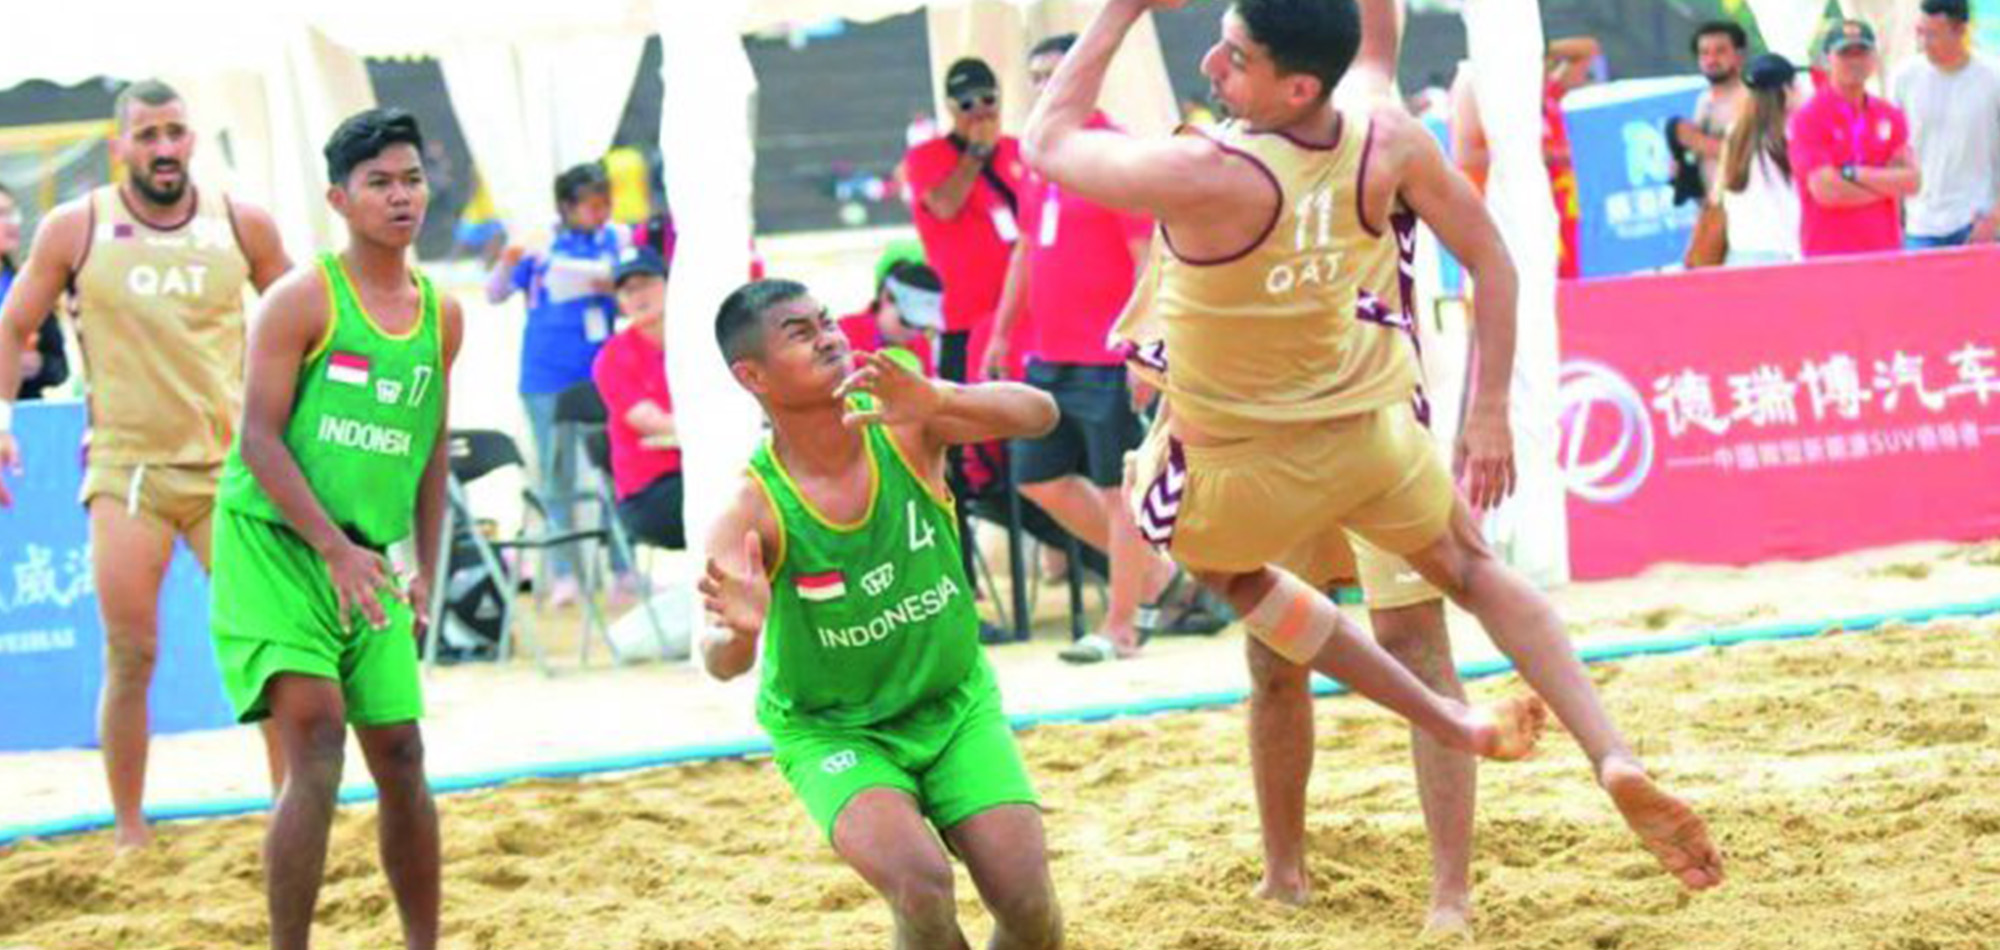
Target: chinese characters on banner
<point x="1736" y="416"/>
<point x="51" y="640"/>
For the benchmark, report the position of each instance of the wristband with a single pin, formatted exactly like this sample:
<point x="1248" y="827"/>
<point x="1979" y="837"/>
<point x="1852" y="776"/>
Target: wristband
<point x="6" y="416"/>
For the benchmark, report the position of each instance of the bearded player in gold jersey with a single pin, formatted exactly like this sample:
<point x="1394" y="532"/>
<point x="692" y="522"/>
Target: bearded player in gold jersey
<point x="156" y="268"/>
<point x="1291" y="403"/>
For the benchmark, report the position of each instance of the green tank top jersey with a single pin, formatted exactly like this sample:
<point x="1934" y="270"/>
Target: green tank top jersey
<point x="868" y="620"/>
<point x="364" y="420"/>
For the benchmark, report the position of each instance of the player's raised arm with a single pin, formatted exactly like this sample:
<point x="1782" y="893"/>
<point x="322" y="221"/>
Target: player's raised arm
<point x="1174" y="179"/>
<point x="743" y="549"/>
<point x="949" y="413"/>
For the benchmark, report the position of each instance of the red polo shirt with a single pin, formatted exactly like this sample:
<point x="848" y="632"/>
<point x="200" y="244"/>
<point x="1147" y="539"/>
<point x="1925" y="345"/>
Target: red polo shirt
<point x="1829" y="131"/>
<point x="631" y="369"/>
<point x="969" y="251"/>
<point x="1080" y="269"/>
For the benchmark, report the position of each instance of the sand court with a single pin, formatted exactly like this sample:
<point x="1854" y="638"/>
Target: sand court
<point x="1847" y="778"/>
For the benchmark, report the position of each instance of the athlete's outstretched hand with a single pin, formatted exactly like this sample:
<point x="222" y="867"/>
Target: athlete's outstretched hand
<point x="10" y="464"/>
<point x="358" y="576"/>
<point x="902" y="395"/>
<point x="737" y="597"/>
<point x="1485" y="462"/>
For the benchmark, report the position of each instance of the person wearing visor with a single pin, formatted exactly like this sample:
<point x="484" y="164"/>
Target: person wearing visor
<point x="906" y="313"/>
<point x="1850" y="154"/>
<point x="631" y="376"/>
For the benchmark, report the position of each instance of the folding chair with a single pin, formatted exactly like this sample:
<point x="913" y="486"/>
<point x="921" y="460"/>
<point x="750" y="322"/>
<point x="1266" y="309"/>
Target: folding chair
<point x="581" y="428"/>
<point x="475" y="454"/>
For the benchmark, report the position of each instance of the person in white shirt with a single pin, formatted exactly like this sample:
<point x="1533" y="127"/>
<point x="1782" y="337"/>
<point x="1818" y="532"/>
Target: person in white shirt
<point x="1953" y="100"/>
<point x="1754" y="176"/>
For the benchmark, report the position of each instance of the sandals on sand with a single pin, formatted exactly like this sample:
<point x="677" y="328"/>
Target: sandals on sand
<point x="1193" y="614"/>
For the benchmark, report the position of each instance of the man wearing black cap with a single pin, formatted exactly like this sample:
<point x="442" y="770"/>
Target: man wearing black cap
<point x="1953" y="101"/>
<point x="631" y="376"/>
<point x="1850" y="155"/>
<point x="965" y="191"/>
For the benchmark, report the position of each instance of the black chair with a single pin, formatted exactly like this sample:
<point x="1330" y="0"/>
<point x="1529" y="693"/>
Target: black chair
<point x="581" y="428"/>
<point x="475" y="454"/>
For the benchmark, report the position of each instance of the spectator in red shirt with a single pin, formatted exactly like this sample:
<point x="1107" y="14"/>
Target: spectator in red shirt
<point x="631" y="375"/>
<point x="1850" y="155"/>
<point x="906" y="311"/>
<point x="1069" y="279"/>
<point x="965" y="189"/>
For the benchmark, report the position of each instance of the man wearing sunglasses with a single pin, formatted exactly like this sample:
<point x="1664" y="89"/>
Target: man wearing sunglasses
<point x="964" y="190"/>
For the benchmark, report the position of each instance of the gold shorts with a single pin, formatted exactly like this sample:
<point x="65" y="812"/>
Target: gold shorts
<point x="177" y="497"/>
<point x="1292" y="497"/>
<point x="1344" y="560"/>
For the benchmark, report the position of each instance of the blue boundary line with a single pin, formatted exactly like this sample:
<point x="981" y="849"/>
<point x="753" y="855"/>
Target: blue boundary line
<point x="684" y="755"/>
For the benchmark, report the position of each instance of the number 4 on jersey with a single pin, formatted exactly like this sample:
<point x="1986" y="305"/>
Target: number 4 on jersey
<point x="922" y="535"/>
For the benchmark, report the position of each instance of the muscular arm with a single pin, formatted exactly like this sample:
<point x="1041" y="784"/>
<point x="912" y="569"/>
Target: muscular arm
<point x="730" y="650"/>
<point x="432" y="489"/>
<point x="290" y="322"/>
<point x="982" y="412"/>
<point x="1446" y="202"/>
<point x="1186" y="181"/>
<point x="257" y="234"/>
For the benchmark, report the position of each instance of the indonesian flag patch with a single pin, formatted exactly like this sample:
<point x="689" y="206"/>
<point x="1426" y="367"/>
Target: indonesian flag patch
<point x="349" y="368"/>
<point x="820" y="588"/>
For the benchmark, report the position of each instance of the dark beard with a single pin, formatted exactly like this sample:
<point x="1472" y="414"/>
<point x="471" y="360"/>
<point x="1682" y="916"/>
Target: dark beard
<point x="157" y="196"/>
<point x="1722" y="80"/>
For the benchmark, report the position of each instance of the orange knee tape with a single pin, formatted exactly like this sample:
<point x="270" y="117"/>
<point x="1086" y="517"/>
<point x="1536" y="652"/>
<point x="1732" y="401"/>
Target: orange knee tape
<point x="1293" y="620"/>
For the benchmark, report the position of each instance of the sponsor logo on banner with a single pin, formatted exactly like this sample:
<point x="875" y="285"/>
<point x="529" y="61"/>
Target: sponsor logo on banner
<point x="348" y="368"/>
<point x="1607" y="447"/>
<point x="820" y="588"/>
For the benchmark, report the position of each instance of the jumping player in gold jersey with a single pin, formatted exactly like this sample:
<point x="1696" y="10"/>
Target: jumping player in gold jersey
<point x="1292" y="412"/>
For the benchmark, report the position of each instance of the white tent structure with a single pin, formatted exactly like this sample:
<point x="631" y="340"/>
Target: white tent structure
<point x="527" y="79"/>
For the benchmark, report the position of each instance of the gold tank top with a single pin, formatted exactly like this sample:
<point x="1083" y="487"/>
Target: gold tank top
<point x="1291" y="330"/>
<point x="160" y="320"/>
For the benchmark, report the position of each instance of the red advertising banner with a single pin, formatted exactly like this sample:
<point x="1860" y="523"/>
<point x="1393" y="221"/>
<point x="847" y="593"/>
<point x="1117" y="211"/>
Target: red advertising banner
<point x="1733" y="416"/>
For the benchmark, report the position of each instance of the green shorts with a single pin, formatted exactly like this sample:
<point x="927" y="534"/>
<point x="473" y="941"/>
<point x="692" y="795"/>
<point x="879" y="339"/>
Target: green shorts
<point x="955" y="755"/>
<point x="273" y="610"/>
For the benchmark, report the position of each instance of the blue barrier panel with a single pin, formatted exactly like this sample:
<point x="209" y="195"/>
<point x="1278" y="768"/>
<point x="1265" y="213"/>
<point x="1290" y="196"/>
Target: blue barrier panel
<point x="51" y="641"/>
<point x="1624" y="174"/>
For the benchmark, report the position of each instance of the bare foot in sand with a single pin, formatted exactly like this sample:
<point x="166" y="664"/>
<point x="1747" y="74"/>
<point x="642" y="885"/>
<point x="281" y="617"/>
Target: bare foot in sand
<point x="1291" y="888"/>
<point x="128" y="840"/>
<point x="1508" y="731"/>
<point x="1665" y="825"/>
<point x="1448" y="925"/>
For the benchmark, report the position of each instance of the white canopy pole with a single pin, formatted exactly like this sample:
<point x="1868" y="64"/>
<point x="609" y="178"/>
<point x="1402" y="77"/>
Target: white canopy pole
<point x="706" y="138"/>
<point x="487" y="83"/>
<point x="1506" y="51"/>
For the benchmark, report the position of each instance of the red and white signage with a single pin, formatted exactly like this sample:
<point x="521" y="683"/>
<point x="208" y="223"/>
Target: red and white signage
<point x="1733" y="416"/>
